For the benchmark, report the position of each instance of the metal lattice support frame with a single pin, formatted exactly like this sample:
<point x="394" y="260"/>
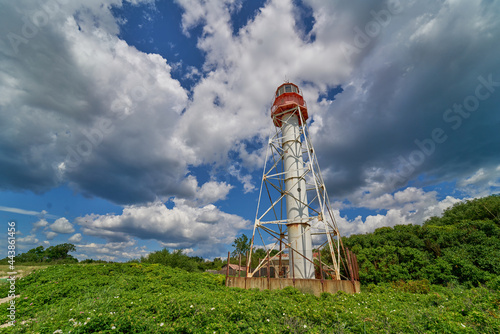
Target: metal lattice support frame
<point x="270" y="219"/>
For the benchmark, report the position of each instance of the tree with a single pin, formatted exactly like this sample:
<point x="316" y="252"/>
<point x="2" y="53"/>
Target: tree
<point x="175" y="259"/>
<point x="59" y="252"/>
<point x="241" y="245"/>
<point x="33" y="255"/>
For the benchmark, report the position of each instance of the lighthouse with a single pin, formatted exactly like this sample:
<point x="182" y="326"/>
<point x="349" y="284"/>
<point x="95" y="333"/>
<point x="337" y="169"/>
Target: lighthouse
<point x="294" y="223"/>
<point x="289" y="112"/>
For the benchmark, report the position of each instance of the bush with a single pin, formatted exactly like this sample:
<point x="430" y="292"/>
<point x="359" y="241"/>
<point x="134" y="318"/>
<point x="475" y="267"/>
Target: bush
<point x="494" y="284"/>
<point x="463" y="246"/>
<point x="421" y="286"/>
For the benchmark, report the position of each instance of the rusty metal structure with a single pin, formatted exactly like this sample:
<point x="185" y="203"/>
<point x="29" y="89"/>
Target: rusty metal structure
<point x="294" y="221"/>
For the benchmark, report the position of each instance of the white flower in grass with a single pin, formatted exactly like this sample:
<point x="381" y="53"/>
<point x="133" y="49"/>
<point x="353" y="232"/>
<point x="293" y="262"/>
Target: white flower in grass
<point x="161" y="325"/>
<point x="113" y="327"/>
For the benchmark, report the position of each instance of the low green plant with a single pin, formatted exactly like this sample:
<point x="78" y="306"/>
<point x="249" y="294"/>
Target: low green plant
<point x="420" y="286"/>
<point x="153" y="298"/>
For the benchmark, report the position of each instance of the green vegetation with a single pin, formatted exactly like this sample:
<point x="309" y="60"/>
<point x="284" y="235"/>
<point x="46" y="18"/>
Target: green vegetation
<point x="151" y="298"/>
<point x="241" y="246"/>
<point x="463" y="247"/>
<point x="177" y="259"/>
<point x="53" y="254"/>
<point x="442" y="277"/>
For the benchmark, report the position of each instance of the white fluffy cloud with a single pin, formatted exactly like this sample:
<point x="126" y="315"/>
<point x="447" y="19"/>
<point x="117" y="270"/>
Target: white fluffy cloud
<point x="184" y="226"/>
<point x="39" y="224"/>
<point x="75" y="238"/>
<point x="213" y="191"/>
<point x="409" y="206"/>
<point x="209" y="192"/>
<point x="62" y="225"/>
<point x="28" y="240"/>
<point x="111" y="251"/>
<point x="50" y="235"/>
<point x="483" y="182"/>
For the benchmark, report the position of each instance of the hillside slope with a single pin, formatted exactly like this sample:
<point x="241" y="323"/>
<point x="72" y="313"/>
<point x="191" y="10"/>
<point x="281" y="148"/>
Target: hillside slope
<point x="151" y="298"/>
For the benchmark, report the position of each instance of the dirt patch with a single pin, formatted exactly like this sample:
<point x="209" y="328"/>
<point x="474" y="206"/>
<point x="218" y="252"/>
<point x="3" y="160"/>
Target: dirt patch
<point x="6" y="299"/>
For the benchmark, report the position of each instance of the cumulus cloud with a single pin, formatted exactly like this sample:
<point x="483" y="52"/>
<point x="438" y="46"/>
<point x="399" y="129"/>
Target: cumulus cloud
<point x="111" y="251"/>
<point x="28" y="240"/>
<point x="212" y="192"/>
<point x="75" y="238"/>
<point x="409" y="206"/>
<point x="62" y="225"/>
<point x="98" y="111"/>
<point x="38" y="225"/>
<point x="50" y="235"/>
<point x="209" y="192"/>
<point x="483" y="182"/>
<point x="183" y="226"/>
<point x="245" y="179"/>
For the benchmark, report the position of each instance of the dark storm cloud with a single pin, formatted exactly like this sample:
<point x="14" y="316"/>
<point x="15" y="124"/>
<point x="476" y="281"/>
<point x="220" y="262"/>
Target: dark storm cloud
<point x="79" y="105"/>
<point x="396" y="118"/>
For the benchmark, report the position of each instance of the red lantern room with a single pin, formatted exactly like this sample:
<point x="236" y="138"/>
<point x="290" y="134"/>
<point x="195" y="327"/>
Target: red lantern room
<point x="288" y="96"/>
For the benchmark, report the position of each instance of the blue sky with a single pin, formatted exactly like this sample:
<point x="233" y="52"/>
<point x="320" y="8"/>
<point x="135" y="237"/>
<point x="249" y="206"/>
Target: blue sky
<point x="128" y="126"/>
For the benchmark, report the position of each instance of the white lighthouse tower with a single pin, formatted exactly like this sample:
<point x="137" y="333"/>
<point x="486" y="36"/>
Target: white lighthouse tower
<point x="293" y="202"/>
<point x="289" y="113"/>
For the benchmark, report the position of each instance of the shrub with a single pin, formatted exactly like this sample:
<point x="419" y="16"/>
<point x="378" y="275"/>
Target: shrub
<point x="420" y="286"/>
